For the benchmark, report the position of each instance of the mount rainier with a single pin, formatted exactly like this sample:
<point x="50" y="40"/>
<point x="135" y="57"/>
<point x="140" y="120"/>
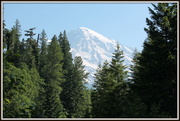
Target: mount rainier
<point x="94" y="49"/>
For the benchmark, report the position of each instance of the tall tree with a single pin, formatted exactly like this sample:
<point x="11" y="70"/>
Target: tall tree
<point x="119" y="77"/>
<point x="4" y="34"/>
<point x="53" y="80"/>
<point x="67" y="94"/>
<point x="43" y="51"/>
<point x="17" y="29"/>
<point x="39" y="110"/>
<point x="99" y="94"/>
<point x="110" y="87"/>
<point x="117" y="66"/>
<point x="79" y="77"/>
<point x="134" y="66"/>
<point x="11" y="42"/>
<point x="156" y="76"/>
<point x="32" y="50"/>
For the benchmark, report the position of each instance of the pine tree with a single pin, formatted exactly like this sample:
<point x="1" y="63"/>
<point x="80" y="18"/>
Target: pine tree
<point x="132" y="106"/>
<point x="87" y="98"/>
<point x="20" y="90"/>
<point x="32" y="50"/>
<point x="117" y="66"/>
<point x="110" y="88"/>
<point x="21" y="84"/>
<point x="12" y="41"/>
<point x="43" y="52"/>
<point x="54" y="77"/>
<point x="39" y="109"/>
<point x="80" y="104"/>
<point x="65" y="47"/>
<point x="102" y="85"/>
<point x="134" y="66"/>
<point x="156" y="75"/>
<point x="4" y="35"/>
<point x="17" y="27"/>
<point x="67" y="94"/>
<point x="120" y="77"/>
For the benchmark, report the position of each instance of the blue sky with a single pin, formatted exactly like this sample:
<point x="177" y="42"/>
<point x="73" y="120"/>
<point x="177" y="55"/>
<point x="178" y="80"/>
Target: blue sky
<point x="123" y="22"/>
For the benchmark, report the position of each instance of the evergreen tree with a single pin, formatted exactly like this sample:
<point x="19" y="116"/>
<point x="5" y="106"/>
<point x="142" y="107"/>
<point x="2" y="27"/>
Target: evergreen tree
<point x="8" y="39"/>
<point x="80" y="104"/>
<point x="65" y="47"/>
<point x="4" y="35"/>
<point x="134" y="66"/>
<point x="53" y="107"/>
<point x="117" y="66"/>
<point x="23" y="51"/>
<point x="88" y="106"/>
<point x="17" y="29"/>
<point x="39" y="109"/>
<point x="119" y="77"/>
<point x="32" y="50"/>
<point x="132" y="106"/>
<point x="12" y="41"/>
<point x="68" y="93"/>
<point x="156" y="75"/>
<point x="43" y="52"/>
<point x="21" y="88"/>
<point x="110" y="88"/>
<point x="99" y="94"/>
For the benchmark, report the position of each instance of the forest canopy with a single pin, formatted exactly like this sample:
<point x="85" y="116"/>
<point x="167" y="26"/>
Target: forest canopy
<point x="43" y="80"/>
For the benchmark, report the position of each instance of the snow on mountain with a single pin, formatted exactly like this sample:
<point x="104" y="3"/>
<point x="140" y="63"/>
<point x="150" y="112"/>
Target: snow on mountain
<point x="94" y="49"/>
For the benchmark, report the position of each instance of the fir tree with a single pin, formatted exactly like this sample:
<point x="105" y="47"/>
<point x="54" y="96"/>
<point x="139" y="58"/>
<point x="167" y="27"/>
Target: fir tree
<point x="110" y="88"/>
<point x="43" y="52"/>
<point x="12" y="41"/>
<point x="67" y="94"/>
<point x="156" y="75"/>
<point x="98" y="96"/>
<point x="20" y="90"/>
<point x="32" y="50"/>
<point x="80" y="104"/>
<point x="54" y="77"/>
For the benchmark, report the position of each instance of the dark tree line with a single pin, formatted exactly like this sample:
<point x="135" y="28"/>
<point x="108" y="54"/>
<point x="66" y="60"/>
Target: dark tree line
<point x="151" y="90"/>
<point x="42" y="80"/>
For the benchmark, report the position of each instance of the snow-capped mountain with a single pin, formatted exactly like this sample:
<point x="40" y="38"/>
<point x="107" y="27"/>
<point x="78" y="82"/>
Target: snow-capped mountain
<point x="94" y="49"/>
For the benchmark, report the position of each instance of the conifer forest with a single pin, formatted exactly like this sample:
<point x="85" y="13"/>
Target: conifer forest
<point x="43" y="80"/>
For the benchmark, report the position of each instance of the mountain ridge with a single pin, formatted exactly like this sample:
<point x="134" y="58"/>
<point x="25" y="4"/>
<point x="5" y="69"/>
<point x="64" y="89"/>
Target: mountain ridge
<point x="94" y="49"/>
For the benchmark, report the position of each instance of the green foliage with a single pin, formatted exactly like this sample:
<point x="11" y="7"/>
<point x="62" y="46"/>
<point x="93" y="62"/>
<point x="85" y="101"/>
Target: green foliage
<point x="155" y="72"/>
<point x="80" y="100"/>
<point x="110" y="90"/>
<point x="43" y="52"/>
<point x="20" y="90"/>
<point x="11" y="43"/>
<point x="87" y="103"/>
<point x="31" y="49"/>
<point x="53" y="80"/>
<point x="68" y="93"/>
<point x="73" y="95"/>
<point x="41" y="80"/>
<point x="117" y="67"/>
